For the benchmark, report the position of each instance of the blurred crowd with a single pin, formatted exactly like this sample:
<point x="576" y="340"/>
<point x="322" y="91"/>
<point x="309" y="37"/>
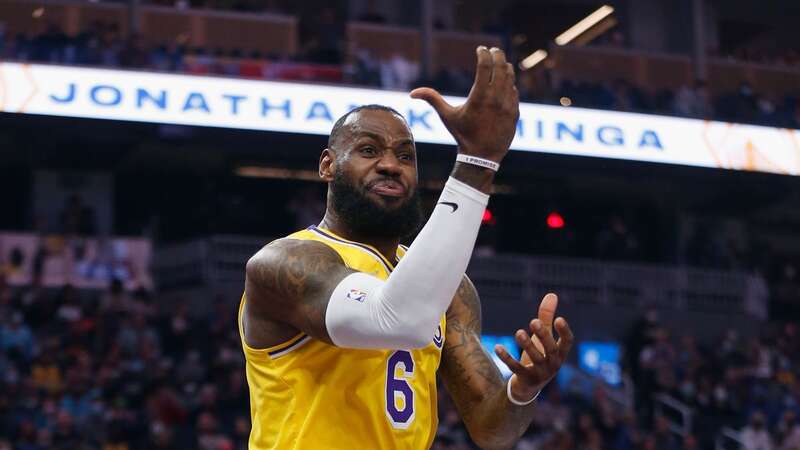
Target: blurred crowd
<point x="114" y="370"/>
<point x="764" y="51"/>
<point x="744" y="105"/>
<point x="117" y="370"/>
<point x="322" y="58"/>
<point x="746" y="383"/>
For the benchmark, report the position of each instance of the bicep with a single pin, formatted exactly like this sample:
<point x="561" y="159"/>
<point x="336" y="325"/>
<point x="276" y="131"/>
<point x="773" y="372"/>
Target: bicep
<point x="291" y="281"/>
<point x="468" y="371"/>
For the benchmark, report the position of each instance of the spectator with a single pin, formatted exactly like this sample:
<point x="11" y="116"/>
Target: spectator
<point x="398" y="72"/>
<point x="690" y="443"/>
<point x="161" y="437"/>
<point x="133" y="54"/>
<point x="788" y="431"/>
<point x="755" y="435"/>
<point x="664" y="438"/>
<point x="694" y="101"/>
<point x="46" y="373"/>
<point x="16" y="337"/>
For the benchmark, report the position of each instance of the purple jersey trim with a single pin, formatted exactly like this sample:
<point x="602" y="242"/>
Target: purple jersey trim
<point x="386" y="264"/>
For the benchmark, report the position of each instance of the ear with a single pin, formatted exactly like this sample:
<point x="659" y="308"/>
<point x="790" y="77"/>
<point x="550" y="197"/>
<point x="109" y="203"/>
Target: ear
<point x="327" y="161"/>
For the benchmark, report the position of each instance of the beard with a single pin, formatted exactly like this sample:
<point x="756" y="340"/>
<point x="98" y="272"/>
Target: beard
<point x="366" y="217"/>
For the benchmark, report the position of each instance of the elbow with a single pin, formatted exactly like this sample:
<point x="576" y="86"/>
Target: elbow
<point x="419" y="341"/>
<point x="411" y="333"/>
<point x="412" y="339"/>
<point x="489" y="437"/>
<point x="490" y="442"/>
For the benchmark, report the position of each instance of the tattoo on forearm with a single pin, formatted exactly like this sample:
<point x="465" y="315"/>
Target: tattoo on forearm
<point x="468" y="372"/>
<point x="464" y="329"/>
<point x="473" y="380"/>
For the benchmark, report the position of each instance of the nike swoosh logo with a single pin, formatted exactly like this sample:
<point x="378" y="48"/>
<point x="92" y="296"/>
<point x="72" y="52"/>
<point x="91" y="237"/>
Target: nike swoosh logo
<point x="451" y="204"/>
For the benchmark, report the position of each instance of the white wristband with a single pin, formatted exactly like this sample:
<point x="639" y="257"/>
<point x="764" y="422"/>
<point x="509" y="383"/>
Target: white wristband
<point x="474" y="160"/>
<point x="515" y="401"/>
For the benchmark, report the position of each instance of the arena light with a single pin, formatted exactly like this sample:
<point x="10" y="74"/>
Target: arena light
<point x="277" y="173"/>
<point x="581" y="27"/>
<point x="488" y="217"/>
<point x="533" y="59"/>
<point x="555" y="220"/>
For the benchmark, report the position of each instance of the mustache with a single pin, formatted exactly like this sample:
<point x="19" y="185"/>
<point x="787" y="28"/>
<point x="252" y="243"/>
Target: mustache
<point x="383" y="179"/>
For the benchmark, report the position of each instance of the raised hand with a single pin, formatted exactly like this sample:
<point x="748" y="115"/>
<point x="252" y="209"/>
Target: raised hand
<point x="542" y="355"/>
<point x="484" y="126"/>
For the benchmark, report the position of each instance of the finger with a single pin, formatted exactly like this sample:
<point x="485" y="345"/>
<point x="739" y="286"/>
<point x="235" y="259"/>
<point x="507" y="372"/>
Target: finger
<point x="547" y="310"/>
<point x="525" y="342"/>
<point x="546" y="336"/>
<point x="512" y="364"/>
<point x="510" y="74"/>
<point x="565" y="338"/>
<point x="483" y="71"/>
<point x="435" y="99"/>
<point x="499" y="74"/>
<point x="536" y="342"/>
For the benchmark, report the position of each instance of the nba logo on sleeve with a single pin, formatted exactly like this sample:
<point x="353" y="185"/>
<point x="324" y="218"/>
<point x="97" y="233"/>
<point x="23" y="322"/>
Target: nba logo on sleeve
<point x="357" y="295"/>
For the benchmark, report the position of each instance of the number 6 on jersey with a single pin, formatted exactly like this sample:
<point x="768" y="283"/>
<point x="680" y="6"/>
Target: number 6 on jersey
<point x="399" y="395"/>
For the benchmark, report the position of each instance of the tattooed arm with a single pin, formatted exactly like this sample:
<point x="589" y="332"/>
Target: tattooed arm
<point x="475" y="383"/>
<point x="288" y="286"/>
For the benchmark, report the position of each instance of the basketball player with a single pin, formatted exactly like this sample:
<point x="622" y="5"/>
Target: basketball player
<point x="344" y="329"/>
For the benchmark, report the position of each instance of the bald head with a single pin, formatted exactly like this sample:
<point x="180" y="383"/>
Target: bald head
<point x="344" y="123"/>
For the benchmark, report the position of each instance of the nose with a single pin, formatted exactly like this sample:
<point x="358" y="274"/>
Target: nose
<point x="388" y="164"/>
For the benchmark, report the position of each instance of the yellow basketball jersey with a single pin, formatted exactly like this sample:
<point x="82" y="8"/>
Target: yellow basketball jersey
<point x="306" y="394"/>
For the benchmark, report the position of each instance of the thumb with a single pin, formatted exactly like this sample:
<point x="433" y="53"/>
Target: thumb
<point x="547" y="310"/>
<point x="435" y="99"/>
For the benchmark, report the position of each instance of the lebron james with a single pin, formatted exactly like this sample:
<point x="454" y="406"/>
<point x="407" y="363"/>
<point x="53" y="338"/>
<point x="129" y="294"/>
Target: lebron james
<point x="344" y="329"/>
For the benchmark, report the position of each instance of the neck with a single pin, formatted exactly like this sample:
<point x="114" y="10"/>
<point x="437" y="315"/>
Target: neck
<point x="387" y="246"/>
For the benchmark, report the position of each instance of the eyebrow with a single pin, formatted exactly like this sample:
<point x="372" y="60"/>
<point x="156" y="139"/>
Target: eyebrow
<point x="380" y="138"/>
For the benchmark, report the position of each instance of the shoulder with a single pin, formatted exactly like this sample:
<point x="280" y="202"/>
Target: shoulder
<point x="291" y="268"/>
<point x="288" y="253"/>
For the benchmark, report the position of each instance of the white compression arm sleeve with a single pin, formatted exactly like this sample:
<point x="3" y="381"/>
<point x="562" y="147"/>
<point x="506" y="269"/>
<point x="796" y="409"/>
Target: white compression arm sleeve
<point x="403" y="311"/>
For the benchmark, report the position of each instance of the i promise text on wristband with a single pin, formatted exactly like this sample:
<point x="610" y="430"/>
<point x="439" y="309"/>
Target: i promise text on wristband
<point x="474" y="160"/>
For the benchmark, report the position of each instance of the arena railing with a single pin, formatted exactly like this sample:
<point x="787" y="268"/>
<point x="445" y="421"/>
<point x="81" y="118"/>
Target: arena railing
<point x="215" y="261"/>
<point x="679" y="416"/>
<point x="583" y="383"/>
<point x="677" y="413"/>
<point x="507" y="282"/>
<point x="617" y="284"/>
<point x="728" y="439"/>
